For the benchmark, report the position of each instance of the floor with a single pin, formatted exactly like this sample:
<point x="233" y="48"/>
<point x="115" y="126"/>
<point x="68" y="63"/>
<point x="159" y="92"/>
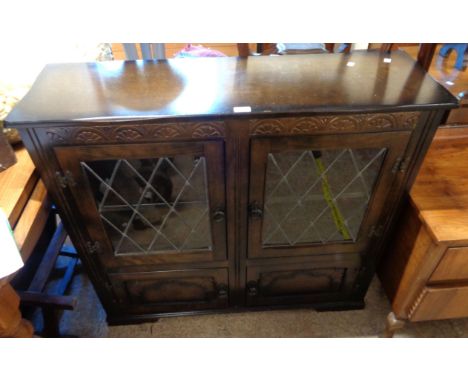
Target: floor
<point x="443" y="71"/>
<point x="89" y="320"/>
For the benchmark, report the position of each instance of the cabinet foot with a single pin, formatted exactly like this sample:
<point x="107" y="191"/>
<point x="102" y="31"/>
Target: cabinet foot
<point x="393" y="324"/>
<point x="51" y="322"/>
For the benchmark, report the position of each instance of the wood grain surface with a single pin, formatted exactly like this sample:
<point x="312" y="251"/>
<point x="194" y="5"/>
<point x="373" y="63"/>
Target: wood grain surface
<point x="359" y="81"/>
<point x="32" y="221"/>
<point x="440" y="192"/>
<point x="440" y="303"/>
<point x="16" y="185"/>
<point x="453" y="266"/>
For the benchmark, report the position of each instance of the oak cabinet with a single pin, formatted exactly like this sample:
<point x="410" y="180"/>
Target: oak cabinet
<point x="179" y="204"/>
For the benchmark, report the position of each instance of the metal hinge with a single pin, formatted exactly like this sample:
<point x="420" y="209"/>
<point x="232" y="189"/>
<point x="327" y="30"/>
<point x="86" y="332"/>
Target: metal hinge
<point x="255" y="211"/>
<point x="93" y="247"/>
<point x="66" y="179"/>
<point x="376" y="231"/>
<point x="401" y="164"/>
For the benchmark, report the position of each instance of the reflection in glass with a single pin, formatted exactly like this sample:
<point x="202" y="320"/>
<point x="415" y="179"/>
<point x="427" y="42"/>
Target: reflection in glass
<point x="318" y="196"/>
<point x="152" y="205"/>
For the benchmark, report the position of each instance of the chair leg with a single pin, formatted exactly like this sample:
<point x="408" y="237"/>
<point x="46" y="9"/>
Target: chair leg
<point x="393" y="324"/>
<point x="460" y="49"/>
<point x="130" y="51"/>
<point x="159" y="51"/>
<point x="51" y="322"/>
<point x="445" y="50"/>
<point x="146" y="51"/>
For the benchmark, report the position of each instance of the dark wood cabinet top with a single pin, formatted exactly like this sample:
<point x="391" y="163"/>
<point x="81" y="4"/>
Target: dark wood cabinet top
<point x="211" y="87"/>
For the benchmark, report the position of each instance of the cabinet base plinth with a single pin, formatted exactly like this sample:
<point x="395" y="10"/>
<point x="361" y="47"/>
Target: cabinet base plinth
<point x="150" y="317"/>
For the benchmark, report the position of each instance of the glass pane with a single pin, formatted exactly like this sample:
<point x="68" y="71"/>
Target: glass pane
<point x="318" y="196"/>
<point x="152" y="205"/>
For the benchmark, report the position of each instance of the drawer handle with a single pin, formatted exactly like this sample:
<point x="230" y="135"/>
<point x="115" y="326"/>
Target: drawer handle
<point x="222" y="291"/>
<point x="219" y="215"/>
<point x="252" y="288"/>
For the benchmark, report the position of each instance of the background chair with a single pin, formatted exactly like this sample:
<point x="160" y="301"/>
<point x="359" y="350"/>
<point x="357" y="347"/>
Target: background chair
<point x="148" y="51"/>
<point x="425" y="55"/>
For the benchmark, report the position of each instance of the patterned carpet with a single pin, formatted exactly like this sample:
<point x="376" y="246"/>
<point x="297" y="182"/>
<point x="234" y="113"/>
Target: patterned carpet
<point x="89" y="320"/>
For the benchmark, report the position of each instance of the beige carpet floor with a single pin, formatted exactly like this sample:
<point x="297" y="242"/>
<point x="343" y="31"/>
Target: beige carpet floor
<point x="89" y="320"/>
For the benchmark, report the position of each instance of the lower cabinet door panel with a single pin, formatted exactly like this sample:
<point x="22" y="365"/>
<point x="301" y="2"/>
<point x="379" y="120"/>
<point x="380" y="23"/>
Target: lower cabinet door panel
<point x="296" y="283"/>
<point x="171" y="291"/>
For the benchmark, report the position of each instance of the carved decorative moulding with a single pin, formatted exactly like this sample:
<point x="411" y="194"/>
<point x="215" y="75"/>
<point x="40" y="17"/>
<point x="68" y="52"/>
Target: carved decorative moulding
<point x="135" y="133"/>
<point x="334" y="123"/>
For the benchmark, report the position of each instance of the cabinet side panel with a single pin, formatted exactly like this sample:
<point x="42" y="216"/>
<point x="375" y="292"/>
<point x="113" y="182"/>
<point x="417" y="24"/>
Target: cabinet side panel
<point x="418" y="145"/>
<point x="392" y="267"/>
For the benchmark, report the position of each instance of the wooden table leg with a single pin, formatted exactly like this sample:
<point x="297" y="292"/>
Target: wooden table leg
<point x="11" y="322"/>
<point x="393" y="324"/>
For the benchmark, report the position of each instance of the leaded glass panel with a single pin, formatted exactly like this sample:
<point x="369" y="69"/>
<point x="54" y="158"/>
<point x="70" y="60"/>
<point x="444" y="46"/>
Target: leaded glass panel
<point x="318" y="196"/>
<point x="152" y="205"/>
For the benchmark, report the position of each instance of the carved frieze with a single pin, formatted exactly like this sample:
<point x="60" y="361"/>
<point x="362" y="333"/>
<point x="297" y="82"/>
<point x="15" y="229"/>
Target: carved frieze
<point x="135" y="133"/>
<point x="116" y="133"/>
<point x="334" y="123"/>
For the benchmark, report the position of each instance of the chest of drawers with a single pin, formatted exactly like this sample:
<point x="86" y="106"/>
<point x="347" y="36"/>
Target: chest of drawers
<point x="425" y="271"/>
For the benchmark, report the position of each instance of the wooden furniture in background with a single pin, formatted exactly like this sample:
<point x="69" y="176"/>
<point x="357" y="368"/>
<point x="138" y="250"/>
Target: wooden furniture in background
<point x="456" y="81"/>
<point x="11" y="322"/>
<point x="424" y="57"/>
<point x="25" y="201"/>
<point x="220" y="185"/>
<point x="155" y="51"/>
<point x="35" y="294"/>
<point x="425" y="272"/>
<point x="245" y="49"/>
<point x="459" y="49"/>
<point x="171" y="49"/>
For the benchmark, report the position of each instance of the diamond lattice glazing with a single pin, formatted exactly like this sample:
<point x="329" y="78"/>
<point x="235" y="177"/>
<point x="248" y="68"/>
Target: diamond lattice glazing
<point x="318" y="195"/>
<point x="152" y="205"/>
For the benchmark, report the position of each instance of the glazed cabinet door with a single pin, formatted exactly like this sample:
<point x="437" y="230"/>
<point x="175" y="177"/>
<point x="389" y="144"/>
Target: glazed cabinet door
<point x="157" y="203"/>
<point x="319" y="194"/>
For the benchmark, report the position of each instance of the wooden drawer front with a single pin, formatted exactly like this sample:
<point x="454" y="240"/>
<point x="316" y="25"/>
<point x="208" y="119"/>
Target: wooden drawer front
<point x="171" y="291"/>
<point x="453" y="266"/>
<point x="295" y="283"/>
<point x="440" y="303"/>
